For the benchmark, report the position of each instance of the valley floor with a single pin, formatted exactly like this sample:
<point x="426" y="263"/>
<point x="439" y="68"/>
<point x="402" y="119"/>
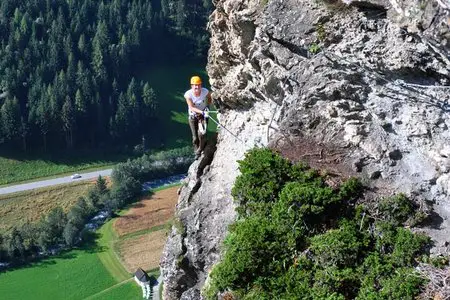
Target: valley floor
<point x="102" y="270"/>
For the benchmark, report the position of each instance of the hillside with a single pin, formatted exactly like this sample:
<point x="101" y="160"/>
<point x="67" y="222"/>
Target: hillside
<point x="358" y="90"/>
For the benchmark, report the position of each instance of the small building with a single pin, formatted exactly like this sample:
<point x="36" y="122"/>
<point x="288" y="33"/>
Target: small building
<point x="141" y="277"/>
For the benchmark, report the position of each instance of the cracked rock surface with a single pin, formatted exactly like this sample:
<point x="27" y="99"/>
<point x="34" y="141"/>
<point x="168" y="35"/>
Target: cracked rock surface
<point x="359" y="90"/>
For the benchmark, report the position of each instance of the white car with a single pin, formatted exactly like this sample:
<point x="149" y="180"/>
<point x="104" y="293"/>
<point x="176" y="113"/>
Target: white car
<point x="75" y="176"/>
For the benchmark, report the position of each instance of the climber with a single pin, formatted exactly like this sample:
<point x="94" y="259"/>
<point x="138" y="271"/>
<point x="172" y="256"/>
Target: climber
<point x="198" y="99"/>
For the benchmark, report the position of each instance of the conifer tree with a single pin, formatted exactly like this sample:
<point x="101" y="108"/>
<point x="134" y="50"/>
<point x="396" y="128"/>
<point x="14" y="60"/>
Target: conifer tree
<point x="10" y="117"/>
<point x="68" y="118"/>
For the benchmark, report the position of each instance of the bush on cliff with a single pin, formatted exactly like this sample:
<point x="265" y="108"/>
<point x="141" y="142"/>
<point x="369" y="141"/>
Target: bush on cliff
<point x="297" y="236"/>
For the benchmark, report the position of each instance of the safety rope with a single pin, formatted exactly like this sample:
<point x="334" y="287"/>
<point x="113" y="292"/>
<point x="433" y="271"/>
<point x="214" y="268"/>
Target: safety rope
<point x="220" y="125"/>
<point x="229" y="131"/>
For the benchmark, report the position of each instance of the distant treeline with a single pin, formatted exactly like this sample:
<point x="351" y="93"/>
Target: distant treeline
<point x="67" y="66"/>
<point x="60" y="230"/>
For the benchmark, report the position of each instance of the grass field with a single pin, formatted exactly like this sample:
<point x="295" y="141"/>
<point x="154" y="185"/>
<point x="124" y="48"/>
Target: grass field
<point x="18" y="208"/>
<point x="74" y="275"/>
<point x="128" y="290"/>
<point x="109" y="257"/>
<point x="125" y="290"/>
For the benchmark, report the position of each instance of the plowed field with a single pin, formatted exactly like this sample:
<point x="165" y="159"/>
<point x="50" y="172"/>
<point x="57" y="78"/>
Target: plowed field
<point x="148" y="213"/>
<point x="143" y="251"/>
<point x="141" y="236"/>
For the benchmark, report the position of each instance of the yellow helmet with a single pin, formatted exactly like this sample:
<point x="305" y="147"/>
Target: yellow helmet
<point x="196" y="80"/>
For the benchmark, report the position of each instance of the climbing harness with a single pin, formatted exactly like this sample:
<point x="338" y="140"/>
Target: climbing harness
<point x="202" y="126"/>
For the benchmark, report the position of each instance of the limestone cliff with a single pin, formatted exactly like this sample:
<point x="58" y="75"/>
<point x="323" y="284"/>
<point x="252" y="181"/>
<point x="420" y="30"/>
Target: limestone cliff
<point x="359" y="88"/>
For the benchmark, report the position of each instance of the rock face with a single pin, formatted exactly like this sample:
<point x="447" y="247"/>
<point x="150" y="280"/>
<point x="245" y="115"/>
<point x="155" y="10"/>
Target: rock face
<point x="360" y="89"/>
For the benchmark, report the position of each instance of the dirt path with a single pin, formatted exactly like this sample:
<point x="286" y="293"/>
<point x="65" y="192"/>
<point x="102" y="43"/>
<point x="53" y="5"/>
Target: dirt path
<point x="108" y="289"/>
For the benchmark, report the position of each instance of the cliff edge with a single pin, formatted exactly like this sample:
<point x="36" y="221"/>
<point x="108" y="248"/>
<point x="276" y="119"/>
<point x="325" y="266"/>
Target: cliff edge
<point x="359" y="88"/>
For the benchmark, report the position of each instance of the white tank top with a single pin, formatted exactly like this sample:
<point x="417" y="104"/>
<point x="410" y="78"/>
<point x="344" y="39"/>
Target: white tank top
<point x="200" y="102"/>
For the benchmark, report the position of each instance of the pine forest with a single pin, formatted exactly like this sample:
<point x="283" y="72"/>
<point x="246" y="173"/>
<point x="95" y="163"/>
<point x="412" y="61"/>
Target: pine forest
<point x="68" y="67"/>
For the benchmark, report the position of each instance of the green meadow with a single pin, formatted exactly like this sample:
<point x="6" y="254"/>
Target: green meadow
<point x="128" y="290"/>
<point x="74" y="275"/>
<point x="92" y="273"/>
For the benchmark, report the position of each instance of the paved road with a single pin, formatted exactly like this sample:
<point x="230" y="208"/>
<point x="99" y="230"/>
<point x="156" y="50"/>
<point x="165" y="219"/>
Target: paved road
<point x="49" y="182"/>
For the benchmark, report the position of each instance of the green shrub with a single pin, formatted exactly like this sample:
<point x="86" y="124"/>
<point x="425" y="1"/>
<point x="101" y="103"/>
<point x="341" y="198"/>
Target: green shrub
<point x="371" y="271"/>
<point x="298" y="236"/>
<point x="350" y="189"/>
<point x="440" y="261"/>
<point x="297" y="280"/>
<point x="334" y="283"/>
<point x="407" y="247"/>
<point x="302" y="205"/>
<point x="398" y="243"/>
<point x="404" y="283"/>
<point x="383" y="281"/>
<point x="321" y="32"/>
<point x="314" y="48"/>
<point x="380" y="279"/>
<point x="300" y="172"/>
<point x="248" y="246"/>
<point x="262" y="176"/>
<point x="341" y="247"/>
<point x="396" y="209"/>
